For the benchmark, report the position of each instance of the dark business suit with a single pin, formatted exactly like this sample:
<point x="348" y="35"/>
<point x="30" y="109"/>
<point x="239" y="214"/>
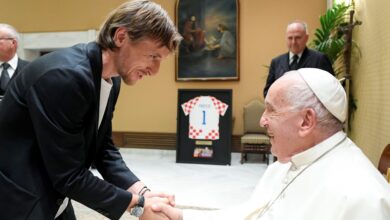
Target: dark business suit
<point x="49" y="137"/>
<point x="310" y="58"/>
<point x="19" y="67"/>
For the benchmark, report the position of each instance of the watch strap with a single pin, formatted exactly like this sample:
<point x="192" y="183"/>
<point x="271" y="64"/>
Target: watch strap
<point x="141" y="201"/>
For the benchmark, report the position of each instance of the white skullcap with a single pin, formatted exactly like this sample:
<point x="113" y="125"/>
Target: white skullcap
<point x="328" y="90"/>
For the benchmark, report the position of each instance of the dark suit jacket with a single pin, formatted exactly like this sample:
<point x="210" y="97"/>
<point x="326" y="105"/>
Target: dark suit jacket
<point x="20" y="66"/>
<point x="49" y="137"/>
<point x="310" y="58"/>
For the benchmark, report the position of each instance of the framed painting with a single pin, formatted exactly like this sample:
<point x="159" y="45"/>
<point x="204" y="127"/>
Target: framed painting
<point x="209" y="49"/>
<point x="204" y="126"/>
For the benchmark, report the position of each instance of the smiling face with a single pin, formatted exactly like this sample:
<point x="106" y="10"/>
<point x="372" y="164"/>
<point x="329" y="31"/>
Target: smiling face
<point x="282" y="123"/>
<point x="133" y="60"/>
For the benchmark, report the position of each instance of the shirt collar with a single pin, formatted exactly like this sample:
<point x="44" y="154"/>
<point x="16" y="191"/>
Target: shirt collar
<point x="310" y="155"/>
<point x="290" y="54"/>
<point x="12" y="62"/>
<point x="107" y="83"/>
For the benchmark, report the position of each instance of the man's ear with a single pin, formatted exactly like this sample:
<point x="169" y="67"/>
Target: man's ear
<point x="309" y="122"/>
<point x="306" y="37"/>
<point x="15" y="43"/>
<point x="120" y="36"/>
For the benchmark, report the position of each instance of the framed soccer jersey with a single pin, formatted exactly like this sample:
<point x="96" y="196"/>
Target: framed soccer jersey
<point x="204" y="126"/>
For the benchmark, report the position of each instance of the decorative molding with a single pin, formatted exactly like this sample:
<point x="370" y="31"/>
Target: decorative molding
<point x="152" y="140"/>
<point x="31" y="44"/>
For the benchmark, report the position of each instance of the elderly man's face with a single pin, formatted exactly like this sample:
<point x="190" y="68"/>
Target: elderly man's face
<point x="296" y="38"/>
<point x="8" y="46"/>
<point x="282" y="123"/>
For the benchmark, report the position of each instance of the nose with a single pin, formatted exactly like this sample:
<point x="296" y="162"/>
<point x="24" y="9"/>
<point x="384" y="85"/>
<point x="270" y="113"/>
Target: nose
<point x="155" y="67"/>
<point x="263" y="121"/>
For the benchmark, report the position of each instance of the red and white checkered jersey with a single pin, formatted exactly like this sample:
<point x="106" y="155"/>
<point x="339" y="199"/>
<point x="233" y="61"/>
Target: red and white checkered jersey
<point x="204" y="114"/>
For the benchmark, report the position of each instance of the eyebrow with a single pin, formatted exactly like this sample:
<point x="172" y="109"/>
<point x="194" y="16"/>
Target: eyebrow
<point x="269" y="105"/>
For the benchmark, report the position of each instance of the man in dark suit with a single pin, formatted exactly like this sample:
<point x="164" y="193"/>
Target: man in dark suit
<point x="10" y="64"/>
<point x="56" y="121"/>
<point x="299" y="56"/>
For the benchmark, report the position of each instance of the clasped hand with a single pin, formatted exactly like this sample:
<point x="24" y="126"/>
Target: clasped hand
<point x="160" y="206"/>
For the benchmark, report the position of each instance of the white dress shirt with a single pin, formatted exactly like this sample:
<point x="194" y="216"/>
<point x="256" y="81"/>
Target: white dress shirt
<point x="13" y="64"/>
<point x="290" y="54"/>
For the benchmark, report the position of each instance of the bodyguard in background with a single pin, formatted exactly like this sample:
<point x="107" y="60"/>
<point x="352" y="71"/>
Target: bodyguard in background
<point x="299" y="56"/>
<point x="10" y="63"/>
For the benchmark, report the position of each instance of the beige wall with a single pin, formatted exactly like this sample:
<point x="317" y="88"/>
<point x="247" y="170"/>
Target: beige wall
<point x="371" y="78"/>
<point x="56" y="15"/>
<point x="151" y="105"/>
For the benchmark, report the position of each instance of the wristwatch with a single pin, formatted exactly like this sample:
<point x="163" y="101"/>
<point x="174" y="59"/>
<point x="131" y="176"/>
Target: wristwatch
<point x="138" y="209"/>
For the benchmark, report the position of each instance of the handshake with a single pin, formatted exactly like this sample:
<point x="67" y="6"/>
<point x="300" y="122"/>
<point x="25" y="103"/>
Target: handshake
<point x="149" y="205"/>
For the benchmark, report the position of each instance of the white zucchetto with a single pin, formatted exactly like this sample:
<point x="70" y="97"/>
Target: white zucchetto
<point x="327" y="89"/>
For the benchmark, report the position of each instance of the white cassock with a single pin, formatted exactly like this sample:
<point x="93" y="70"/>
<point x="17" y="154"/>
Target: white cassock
<point x="333" y="180"/>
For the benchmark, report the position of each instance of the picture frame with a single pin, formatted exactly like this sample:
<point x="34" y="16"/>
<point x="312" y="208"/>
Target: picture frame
<point x="209" y="49"/>
<point x="209" y="110"/>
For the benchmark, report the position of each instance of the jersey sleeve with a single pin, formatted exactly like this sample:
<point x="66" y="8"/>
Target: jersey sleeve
<point x="219" y="106"/>
<point x="189" y="105"/>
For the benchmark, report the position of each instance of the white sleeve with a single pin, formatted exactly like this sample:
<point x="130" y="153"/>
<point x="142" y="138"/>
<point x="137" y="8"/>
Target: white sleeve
<point x="222" y="214"/>
<point x="190" y="214"/>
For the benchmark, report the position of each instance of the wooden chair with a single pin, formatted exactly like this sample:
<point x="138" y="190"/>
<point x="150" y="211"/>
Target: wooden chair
<point x="254" y="139"/>
<point x="384" y="161"/>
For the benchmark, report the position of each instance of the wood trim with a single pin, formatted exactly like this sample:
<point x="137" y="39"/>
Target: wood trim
<point x="117" y="137"/>
<point x="236" y="143"/>
<point x="150" y="140"/>
<point x="154" y="140"/>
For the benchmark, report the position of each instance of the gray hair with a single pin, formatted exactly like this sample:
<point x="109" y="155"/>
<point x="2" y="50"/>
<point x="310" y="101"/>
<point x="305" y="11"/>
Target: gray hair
<point x="13" y="33"/>
<point x="141" y="18"/>
<point x="301" y="23"/>
<point x="300" y="96"/>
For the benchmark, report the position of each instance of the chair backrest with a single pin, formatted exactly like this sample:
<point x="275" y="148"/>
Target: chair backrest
<point x="252" y="114"/>
<point x="384" y="161"/>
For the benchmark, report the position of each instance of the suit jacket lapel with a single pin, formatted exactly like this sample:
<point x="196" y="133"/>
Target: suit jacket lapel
<point x="19" y="67"/>
<point x="94" y="54"/>
<point x="303" y="58"/>
<point x="286" y="62"/>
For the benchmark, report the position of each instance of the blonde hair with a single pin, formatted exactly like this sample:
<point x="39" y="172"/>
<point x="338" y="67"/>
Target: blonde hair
<point x="141" y="18"/>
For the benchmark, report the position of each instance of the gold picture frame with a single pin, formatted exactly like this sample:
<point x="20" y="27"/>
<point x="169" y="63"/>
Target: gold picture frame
<point x="209" y="50"/>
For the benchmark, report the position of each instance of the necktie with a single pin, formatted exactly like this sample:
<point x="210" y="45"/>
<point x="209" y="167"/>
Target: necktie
<point x="4" y="77"/>
<point x="294" y="64"/>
